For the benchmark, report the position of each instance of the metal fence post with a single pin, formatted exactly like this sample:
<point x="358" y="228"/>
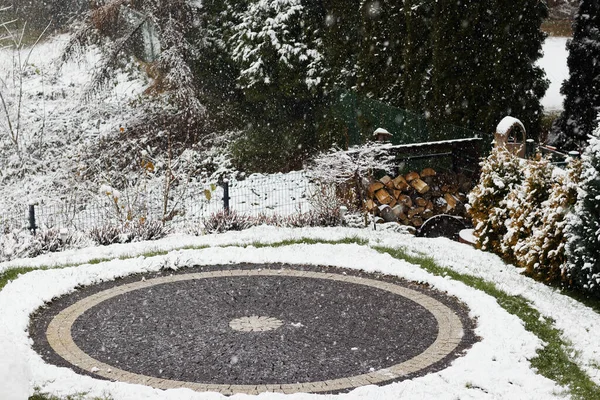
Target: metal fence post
<point x="226" y="195"/>
<point x="32" y="225"/>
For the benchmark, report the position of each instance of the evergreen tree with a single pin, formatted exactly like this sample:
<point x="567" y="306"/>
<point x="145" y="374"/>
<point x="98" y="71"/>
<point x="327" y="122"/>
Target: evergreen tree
<point x="543" y="253"/>
<point x="582" y="89"/>
<point x="583" y="245"/>
<point x="518" y="84"/>
<point x="341" y="41"/>
<point x="501" y="173"/>
<point x="417" y="53"/>
<point x="483" y="63"/>
<point x="380" y="66"/>
<point x="280" y="62"/>
<point x="214" y="67"/>
<point x="525" y="210"/>
<point x="458" y="51"/>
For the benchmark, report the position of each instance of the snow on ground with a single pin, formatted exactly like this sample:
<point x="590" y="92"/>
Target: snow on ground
<point x="496" y="367"/>
<point x="57" y="123"/>
<point x="554" y="62"/>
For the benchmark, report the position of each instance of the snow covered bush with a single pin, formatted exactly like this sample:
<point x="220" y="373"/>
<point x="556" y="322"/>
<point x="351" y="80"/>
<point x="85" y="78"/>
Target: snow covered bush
<point x="501" y="172"/>
<point x="583" y="229"/>
<point x="107" y="234"/>
<point x="224" y="221"/>
<point x="22" y="243"/>
<point x="131" y="231"/>
<point x="524" y="206"/>
<point x="543" y="253"/>
<point x="348" y="172"/>
<point x="325" y="211"/>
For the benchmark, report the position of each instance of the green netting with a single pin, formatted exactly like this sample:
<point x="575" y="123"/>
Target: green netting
<point x="360" y="117"/>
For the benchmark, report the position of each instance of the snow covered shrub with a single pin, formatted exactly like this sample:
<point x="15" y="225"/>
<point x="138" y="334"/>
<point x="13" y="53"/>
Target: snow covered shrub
<point x="15" y="244"/>
<point x="107" y="234"/>
<point x="48" y="241"/>
<point x="500" y="173"/>
<point x="311" y="218"/>
<point x="224" y="221"/>
<point x="21" y="243"/>
<point x="131" y="231"/>
<point x="141" y="230"/>
<point x="524" y="207"/>
<point x="543" y="253"/>
<point x="349" y="171"/>
<point x="583" y="229"/>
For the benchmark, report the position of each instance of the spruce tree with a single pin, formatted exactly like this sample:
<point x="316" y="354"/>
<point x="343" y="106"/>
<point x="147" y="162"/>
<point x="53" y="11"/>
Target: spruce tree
<point x="341" y="40"/>
<point x="583" y="245"/>
<point x="582" y="89"/>
<point x="458" y="56"/>
<point x="518" y="83"/>
<point x="281" y="64"/>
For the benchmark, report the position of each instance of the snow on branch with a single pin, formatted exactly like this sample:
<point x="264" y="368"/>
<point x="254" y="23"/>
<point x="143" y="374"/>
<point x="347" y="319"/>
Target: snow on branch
<point x="339" y="166"/>
<point x="273" y="30"/>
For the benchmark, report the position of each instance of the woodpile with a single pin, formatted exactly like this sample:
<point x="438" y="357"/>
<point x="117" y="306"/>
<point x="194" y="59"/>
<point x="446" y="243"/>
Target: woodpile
<point x="415" y="197"/>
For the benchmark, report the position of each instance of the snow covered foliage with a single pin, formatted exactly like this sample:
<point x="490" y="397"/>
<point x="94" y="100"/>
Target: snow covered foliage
<point x="501" y="173"/>
<point x="132" y="231"/>
<point x="543" y="253"/>
<point x="583" y="246"/>
<point x="541" y="218"/>
<point x="271" y="42"/>
<point x="350" y="171"/>
<point x="13" y="99"/>
<point x="22" y="244"/>
<point x="338" y="166"/>
<point x="582" y="89"/>
<point x="171" y="109"/>
<point x="524" y="206"/>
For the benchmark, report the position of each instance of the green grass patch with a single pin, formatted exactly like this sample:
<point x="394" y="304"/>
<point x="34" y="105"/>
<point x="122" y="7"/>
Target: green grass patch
<point x="348" y="240"/>
<point x="13" y="274"/>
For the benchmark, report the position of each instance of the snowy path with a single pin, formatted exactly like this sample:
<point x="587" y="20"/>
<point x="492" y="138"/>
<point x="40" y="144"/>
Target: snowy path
<point x="497" y="367"/>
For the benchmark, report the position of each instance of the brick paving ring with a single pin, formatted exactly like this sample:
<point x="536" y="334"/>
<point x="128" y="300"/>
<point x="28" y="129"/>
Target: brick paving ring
<point x="254" y="328"/>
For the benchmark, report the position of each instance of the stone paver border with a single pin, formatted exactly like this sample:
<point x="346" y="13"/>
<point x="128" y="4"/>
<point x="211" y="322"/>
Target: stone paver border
<point x="450" y="334"/>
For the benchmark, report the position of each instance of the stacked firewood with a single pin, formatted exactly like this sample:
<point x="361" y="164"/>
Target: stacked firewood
<point x="413" y="198"/>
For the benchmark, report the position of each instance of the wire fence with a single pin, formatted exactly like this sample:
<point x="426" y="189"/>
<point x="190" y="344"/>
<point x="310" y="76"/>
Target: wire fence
<point x="272" y="195"/>
<point x="360" y="116"/>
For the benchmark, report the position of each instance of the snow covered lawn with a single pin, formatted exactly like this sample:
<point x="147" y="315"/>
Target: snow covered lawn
<point x="496" y="367"/>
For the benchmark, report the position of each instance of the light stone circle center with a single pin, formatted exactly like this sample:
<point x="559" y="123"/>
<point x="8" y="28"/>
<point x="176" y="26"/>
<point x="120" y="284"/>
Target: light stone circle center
<point x="255" y="323"/>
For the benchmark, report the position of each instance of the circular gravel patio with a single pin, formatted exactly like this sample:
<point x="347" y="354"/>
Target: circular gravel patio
<point x="250" y="328"/>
